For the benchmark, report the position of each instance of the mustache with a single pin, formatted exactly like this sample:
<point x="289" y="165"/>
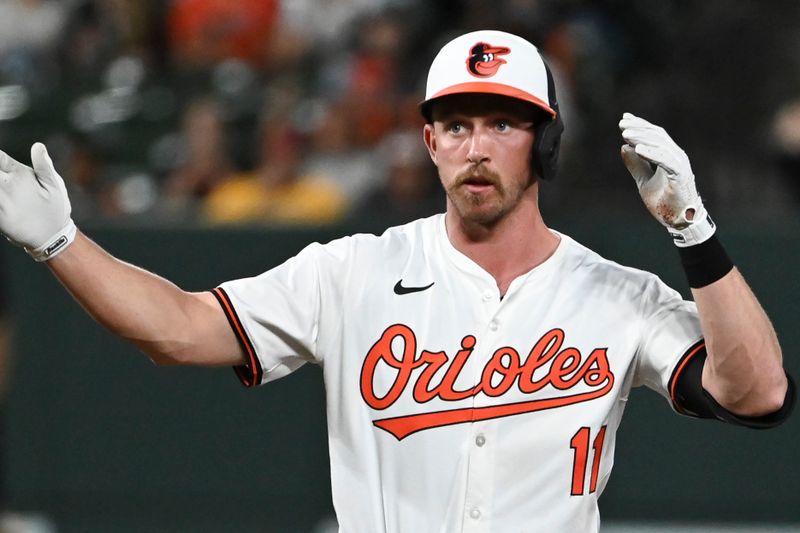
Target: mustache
<point x="478" y="172"/>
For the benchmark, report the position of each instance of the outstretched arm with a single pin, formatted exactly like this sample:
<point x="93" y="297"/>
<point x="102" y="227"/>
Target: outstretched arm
<point x="743" y="371"/>
<point x="170" y="325"/>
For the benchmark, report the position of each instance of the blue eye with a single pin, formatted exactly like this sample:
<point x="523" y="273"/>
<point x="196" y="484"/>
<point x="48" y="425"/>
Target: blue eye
<point x="502" y="125"/>
<point x="456" y="127"/>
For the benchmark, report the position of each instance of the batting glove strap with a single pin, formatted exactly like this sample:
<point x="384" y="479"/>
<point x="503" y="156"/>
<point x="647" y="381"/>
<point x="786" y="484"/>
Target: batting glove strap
<point x="699" y="230"/>
<point x="56" y="244"/>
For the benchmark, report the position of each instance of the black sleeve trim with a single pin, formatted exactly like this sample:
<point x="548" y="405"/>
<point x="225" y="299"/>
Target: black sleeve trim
<point x="690" y="398"/>
<point x="249" y="374"/>
<point x="689" y="370"/>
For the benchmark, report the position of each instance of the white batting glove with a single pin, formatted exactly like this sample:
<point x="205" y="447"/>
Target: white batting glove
<point x="665" y="180"/>
<point x="34" y="207"/>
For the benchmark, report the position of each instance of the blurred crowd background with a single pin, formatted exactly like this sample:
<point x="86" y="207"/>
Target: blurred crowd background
<point x="305" y="111"/>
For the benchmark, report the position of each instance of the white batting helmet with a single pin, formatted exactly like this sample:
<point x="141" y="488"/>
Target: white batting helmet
<point x="494" y="62"/>
<point x="497" y="62"/>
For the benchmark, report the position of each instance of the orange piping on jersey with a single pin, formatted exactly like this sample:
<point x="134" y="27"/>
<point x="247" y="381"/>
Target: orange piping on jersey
<point x="249" y="374"/>
<point x="686" y="358"/>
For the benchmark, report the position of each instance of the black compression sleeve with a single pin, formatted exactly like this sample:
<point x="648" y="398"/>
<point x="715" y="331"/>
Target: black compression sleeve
<point x="692" y="399"/>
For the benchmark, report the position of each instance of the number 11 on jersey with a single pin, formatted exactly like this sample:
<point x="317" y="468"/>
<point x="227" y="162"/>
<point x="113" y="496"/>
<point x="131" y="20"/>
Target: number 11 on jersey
<point x="580" y="445"/>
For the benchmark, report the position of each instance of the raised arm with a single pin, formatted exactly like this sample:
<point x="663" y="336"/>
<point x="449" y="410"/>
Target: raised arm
<point x="743" y="370"/>
<point x="170" y="325"/>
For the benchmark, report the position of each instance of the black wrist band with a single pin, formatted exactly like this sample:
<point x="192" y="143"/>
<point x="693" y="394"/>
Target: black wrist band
<point x="705" y="263"/>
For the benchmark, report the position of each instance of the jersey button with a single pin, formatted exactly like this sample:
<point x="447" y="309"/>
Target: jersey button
<point x="480" y="440"/>
<point x="475" y="513"/>
<point x="487" y="295"/>
<point x="493" y="325"/>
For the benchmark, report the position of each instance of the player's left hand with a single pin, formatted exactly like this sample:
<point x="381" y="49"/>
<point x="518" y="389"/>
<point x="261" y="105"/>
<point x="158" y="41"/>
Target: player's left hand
<point x="665" y="180"/>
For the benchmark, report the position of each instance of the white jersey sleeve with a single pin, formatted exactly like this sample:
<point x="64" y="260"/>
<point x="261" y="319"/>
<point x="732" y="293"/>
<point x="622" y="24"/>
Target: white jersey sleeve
<point x="275" y="316"/>
<point x="671" y="335"/>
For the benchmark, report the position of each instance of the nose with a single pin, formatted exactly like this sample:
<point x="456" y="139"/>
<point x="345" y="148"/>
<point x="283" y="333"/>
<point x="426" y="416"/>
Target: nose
<point x="478" y="152"/>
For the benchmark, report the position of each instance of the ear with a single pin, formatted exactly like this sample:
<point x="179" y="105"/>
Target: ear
<point x="429" y="136"/>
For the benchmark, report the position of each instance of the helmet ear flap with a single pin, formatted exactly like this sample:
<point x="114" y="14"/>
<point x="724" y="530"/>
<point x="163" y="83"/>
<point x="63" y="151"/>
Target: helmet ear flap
<point x="548" y="137"/>
<point x="546" y="147"/>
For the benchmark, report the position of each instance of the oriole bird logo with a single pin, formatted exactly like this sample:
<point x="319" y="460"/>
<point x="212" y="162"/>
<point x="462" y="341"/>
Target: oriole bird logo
<point x="483" y="61"/>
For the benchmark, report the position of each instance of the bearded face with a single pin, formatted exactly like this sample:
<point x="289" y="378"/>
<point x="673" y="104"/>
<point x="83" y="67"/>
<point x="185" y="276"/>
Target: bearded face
<point x="482" y="146"/>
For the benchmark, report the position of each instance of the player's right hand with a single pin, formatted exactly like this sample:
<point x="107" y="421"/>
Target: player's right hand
<point x="35" y="212"/>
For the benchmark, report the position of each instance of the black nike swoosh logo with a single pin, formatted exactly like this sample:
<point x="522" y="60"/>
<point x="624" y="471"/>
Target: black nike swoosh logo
<point x="399" y="289"/>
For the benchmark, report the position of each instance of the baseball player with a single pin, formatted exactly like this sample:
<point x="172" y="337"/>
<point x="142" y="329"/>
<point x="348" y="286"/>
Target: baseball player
<point x="476" y="363"/>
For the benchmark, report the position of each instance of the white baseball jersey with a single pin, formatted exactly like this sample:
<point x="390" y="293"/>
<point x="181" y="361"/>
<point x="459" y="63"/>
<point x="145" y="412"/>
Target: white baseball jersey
<point x="449" y="408"/>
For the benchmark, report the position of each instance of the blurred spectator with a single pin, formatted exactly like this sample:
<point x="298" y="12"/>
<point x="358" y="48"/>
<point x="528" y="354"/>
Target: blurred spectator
<point x="29" y="33"/>
<point x="84" y="174"/>
<point x="372" y="85"/>
<point x="786" y="136"/>
<point x="333" y="154"/>
<point x="326" y="22"/>
<point x="98" y="190"/>
<point x="364" y="86"/>
<point x="93" y="37"/>
<point x="99" y="32"/>
<point x="276" y="191"/>
<point x="203" y="33"/>
<point x="202" y="160"/>
<point x="126" y="65"/>
<point x="354" y="46"/>
<point x="411" y="189"/>
<point x="30" y="24"/>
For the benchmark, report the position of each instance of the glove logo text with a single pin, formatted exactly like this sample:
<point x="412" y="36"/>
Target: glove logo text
<point x="56" y="246"/>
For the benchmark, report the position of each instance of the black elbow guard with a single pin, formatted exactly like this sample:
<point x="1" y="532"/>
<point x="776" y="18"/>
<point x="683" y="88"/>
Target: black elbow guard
<point x="690" y="398"/>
